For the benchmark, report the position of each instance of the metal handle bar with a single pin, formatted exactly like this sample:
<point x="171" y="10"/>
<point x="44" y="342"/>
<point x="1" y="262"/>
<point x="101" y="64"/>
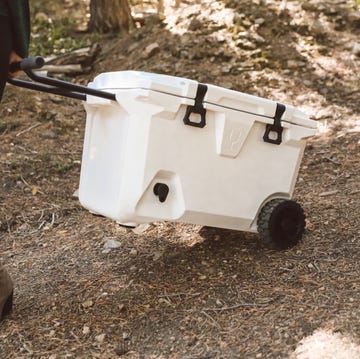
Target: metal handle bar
<point x="55" y="86"/>
<point x="48" y="89"/>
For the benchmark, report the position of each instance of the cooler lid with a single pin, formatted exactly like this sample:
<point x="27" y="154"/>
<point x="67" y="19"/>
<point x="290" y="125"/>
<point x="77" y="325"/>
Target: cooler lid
<point x="119" y="80"/>
<point x="256" y="105"/>
<point x="214" y="95"/>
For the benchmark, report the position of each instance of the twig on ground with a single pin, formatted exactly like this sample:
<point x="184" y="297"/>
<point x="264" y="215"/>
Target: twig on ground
<point x="179" y="294"/>
<point x="28" y="129"/>
<point x="241" y="305"/>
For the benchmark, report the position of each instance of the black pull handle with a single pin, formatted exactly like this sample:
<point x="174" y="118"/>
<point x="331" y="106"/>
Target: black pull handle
<point x="30" y="63"/>
<point x="161" y="190"/>
<point x="53" y="85"/>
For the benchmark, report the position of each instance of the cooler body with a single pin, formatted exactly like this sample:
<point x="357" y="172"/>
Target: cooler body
<point x="173" y="149"/>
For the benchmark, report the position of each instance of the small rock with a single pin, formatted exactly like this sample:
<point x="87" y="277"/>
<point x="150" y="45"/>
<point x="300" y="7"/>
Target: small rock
<point x="294" y="64"/>
<point x="100" y="338"/>
<point x="354" y="17"/>
<point x="88" y="303"/>
<point x="133" y="252"/>
<point x="153" y="19"/>
<point x="85" y="330"/>
<point x="309" y="6"/>
<point x="259" y="21"/>
<point x="141" y="228"/>
<point x="225" y="69"/>
<point x="75" y="195"/>
<point x="244" y="35"/>
<point x="220" y="38"/>
<point x="195" y="24"/>
<point x="356" y="49"/>
<point x="324" y="113"/>
<point x="245" y="44"/>
<point x="49" y="134"/>
<point x="257" y="38"/>
<point x="317" y="29"/>
<point x="151" y="50"/>
<point x="112" y="244"/>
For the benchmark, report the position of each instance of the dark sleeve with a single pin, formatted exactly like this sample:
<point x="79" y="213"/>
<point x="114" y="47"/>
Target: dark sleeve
<point x="20" y="19"/>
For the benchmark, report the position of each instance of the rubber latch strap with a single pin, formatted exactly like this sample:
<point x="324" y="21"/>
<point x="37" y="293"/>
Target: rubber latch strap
<point x="275" y="127"/>
<point x="197" y="108"/>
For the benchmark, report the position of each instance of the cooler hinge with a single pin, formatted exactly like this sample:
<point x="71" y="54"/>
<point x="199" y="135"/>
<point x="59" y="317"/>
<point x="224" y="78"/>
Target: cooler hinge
<point x="198" y="109"/>
<point x="276" y="127"/>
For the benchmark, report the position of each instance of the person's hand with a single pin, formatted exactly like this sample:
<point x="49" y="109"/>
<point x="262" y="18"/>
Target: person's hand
<point x="14" y="57"/>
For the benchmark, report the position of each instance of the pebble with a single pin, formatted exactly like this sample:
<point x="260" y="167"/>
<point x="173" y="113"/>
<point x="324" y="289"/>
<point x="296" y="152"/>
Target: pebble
<point x="259" y="39"/>
<point x="141" y="228"/>
<point x="245" y="44"/>
<point x="317" y="28"/>
<point x="259" y="21"/>
<point x="244" y="35"/>
<point x="309" y="6"/>
<point x="293" y="64"/>
<point x="88" y="303"/>
<point x="100" y="338"/>
<point x="194" y="25"/>
<point x="220" y="38"/>
<point x="151" y="50"/>
<point x="356" y="49"/>
<point x="133" y="252"/>
<point x="75" y="195"/>
<point x="354" y="17"/>
<point x="111" y="243"/>
<point x="225" y="69"/>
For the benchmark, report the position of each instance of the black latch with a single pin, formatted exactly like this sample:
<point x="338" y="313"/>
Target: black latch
<point x="198" y="108"/>
<point x="276" y="126"/>
<point x="161" y="190"/>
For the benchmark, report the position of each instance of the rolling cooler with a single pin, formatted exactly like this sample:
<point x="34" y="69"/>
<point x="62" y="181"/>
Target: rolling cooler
<point x="164" y="148"/>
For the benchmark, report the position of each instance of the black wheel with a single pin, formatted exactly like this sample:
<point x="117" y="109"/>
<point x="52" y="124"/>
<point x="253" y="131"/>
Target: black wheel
<point x="281" y="223"/>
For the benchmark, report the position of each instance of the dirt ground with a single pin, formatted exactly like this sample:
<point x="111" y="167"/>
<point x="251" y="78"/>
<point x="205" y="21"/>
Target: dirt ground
<point x="177" y="290"/>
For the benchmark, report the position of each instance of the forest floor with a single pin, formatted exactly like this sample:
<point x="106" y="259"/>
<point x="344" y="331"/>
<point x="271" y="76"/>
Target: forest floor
<point x="178" y="290"/>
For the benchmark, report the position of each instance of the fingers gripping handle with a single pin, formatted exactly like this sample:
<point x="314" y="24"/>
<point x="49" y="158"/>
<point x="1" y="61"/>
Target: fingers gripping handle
<point x="30" y="63"/>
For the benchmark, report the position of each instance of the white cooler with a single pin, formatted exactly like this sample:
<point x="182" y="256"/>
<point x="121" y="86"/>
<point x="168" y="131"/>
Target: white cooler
<point x="176" y="150"/>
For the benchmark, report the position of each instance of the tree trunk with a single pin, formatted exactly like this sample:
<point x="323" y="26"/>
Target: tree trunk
<point x="110" y="16"/>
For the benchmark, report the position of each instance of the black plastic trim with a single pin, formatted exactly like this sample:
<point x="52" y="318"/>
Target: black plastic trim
<point x="198" y="108"/>
<point x="161" y="190"/>
<point x="276" y="126"/>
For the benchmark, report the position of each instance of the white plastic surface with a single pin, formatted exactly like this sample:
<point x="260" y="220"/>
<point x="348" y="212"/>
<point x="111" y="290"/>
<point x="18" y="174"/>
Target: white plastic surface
<point x="219" y="175"/>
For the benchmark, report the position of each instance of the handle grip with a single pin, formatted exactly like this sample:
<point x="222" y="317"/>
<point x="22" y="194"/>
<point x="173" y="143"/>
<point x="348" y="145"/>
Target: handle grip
<point x="29" y="63"/>
<point x="53" y="85"/>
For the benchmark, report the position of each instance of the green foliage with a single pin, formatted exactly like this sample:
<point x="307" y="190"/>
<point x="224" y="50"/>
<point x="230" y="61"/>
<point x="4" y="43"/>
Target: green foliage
<point x="55" y="35"/>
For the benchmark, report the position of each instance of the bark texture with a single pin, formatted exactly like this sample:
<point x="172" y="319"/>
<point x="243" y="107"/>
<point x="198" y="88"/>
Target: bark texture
<point x="110" y="16"/>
